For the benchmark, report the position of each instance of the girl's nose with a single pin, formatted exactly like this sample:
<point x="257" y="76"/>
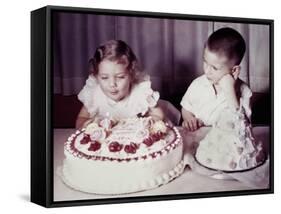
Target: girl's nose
<point x="112" y="82"/>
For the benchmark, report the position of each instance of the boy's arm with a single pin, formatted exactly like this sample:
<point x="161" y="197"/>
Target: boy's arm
<point x="227" y="85"/>
<point x="190" y="122"/>
<point x="82" y="118"/>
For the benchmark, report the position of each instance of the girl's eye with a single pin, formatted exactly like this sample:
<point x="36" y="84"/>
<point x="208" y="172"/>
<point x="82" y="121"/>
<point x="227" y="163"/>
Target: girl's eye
<point x="104" y="78"/>
<point x="120" y="77"/>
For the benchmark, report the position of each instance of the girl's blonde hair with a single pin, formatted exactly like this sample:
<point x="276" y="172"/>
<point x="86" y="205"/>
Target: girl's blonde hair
<point x="117" y="51"/>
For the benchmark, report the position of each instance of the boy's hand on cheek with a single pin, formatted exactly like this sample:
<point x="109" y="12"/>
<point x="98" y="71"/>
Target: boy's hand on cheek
<point x="227" y="85"/>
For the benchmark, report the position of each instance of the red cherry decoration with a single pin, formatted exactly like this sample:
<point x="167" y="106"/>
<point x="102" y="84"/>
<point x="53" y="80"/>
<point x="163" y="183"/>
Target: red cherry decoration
<point x="85" y="139"/>
<point x="153" y="138"/>
<point x="115" y="146"/>
<point x="148" y="141"/>
<point x="94" y="146"/>
<point x="134" y="145"/>
<point x="157" y="136"/>
<point x="131" y="148"/>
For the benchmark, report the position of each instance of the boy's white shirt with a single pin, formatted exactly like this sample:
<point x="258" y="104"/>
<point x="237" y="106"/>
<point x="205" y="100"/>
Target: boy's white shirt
<point x="201" y="100"/>
<point x="140" y="99"/>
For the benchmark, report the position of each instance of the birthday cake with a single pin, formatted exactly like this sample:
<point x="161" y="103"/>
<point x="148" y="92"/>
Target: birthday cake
<point x="121" y="157"/>
<point x="229" y="145"/>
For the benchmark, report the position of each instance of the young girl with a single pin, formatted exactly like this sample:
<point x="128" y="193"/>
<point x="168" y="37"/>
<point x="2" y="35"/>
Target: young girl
<point x="115" y="88"/>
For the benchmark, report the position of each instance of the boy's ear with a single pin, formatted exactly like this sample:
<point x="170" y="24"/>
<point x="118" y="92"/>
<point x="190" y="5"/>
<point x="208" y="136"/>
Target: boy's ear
<point x="236" y="71"/>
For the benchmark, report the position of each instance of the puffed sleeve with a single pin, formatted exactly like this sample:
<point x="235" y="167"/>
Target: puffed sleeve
<point x="87" y="95"/>
<point x="143" y="98"/>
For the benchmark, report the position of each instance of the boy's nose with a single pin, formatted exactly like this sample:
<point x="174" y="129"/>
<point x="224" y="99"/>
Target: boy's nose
<point x="207" y="69"/>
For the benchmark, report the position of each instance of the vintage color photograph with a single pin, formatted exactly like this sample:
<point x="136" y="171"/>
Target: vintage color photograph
<point x="159" y="105"/>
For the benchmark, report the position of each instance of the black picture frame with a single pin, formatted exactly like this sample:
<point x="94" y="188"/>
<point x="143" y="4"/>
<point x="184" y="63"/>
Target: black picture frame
<point x="42" y="106"/>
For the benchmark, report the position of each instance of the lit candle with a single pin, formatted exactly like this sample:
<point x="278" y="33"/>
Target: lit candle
<point x="106" y="122"/>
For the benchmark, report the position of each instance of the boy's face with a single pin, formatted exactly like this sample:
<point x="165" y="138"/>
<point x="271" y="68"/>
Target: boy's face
<point x="215" y="66"/>
<point x="114" y="79"/>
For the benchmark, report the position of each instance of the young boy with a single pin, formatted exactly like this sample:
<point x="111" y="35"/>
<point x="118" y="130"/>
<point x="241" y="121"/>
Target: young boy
<point x="219" y="87"/>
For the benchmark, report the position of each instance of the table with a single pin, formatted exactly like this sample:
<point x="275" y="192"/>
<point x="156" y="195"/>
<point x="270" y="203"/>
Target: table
<point x="191" y="181"/>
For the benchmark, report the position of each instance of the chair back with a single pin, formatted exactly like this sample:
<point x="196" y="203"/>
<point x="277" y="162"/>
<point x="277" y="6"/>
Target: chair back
<point x="170" y="111"/>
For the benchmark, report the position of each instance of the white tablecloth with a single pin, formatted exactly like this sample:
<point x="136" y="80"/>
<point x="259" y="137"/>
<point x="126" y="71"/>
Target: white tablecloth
<point x="191" y="181"/>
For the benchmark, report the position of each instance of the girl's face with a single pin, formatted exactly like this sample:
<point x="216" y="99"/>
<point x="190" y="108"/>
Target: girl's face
<point x="114" y="80"/>
<point x="215" y="66"/>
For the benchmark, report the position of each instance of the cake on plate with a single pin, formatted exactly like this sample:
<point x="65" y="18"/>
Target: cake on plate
<point x="130" y="155"/>
<point x="230" y="146"/>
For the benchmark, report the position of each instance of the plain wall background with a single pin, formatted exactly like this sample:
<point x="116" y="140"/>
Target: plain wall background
<point x="15" y="105"/>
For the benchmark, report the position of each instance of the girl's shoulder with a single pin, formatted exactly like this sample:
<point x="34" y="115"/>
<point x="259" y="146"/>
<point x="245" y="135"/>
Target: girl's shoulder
<point x="143" y="94"/>
<point x="92" y="81"/>
<point x="89" y="94"/>
<point x="142" y="82"/>
<point x="92" y="86"/>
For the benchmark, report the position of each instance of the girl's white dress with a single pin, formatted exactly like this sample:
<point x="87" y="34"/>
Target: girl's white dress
<point x="139" y="100"/>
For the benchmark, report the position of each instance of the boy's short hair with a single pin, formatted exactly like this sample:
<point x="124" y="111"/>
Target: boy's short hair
<point x="228" y="42"/>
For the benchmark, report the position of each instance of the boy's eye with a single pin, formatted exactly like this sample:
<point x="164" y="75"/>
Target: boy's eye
<point x="214" y="68"/>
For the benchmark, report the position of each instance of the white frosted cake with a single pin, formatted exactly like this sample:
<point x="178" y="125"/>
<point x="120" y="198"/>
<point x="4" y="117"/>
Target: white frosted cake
<point x="133" y="155"/>
<point x="230" y="146"/>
